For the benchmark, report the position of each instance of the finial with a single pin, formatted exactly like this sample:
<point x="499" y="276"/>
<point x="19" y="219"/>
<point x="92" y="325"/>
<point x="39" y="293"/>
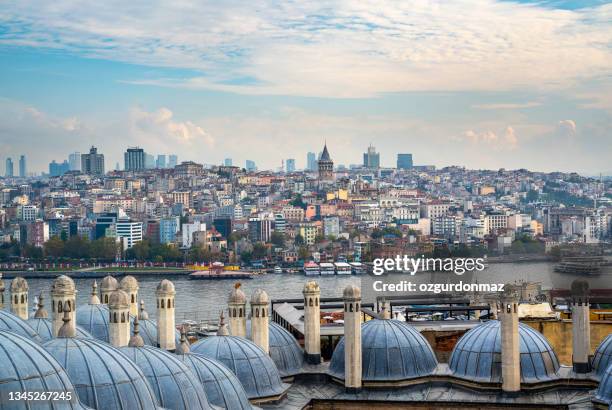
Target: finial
<point x="223" y="331"/>
<point x="183" y="347"/>
<point x="143" y="315"/>
<point x="236" y="285"/>
<point x="41" y="313"/>
<point x="136" y="339"/>
<point x="66" y="330"/>
<point x="94" y="299"/>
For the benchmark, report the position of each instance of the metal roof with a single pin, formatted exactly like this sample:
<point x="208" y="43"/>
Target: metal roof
<point x="604" y="391"/>
<point x="9" y="321"/>
<point x="44" y="328"/>
<point x="603" y="356"/>
<point x="284" y="349"/>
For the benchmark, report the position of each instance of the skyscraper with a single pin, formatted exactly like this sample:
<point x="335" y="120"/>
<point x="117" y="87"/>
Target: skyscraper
<point x="149" y="161"/>
<point x="56" y="169"/>
<point x="404" y="161"/>
<point x="22" y="166"/>
<point x="290" y="165"/>
<point x="371" y="159"/>
<point x="134" y="159"/>
<point x="172" y="161"/>
<point x="92" y="163"/>
<point x="161" y="161"/>
<point x="9" y="168"/>
<point x="250" y="165"/>
<point x="74" y="161"/>
<point x="311" y="161"/>
<point x="227" y="162"/>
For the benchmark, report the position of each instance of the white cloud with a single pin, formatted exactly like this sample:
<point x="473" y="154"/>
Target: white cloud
<point x="498" y="142"/>
<point x="160" y="125"/>
<point x="507" y="106"/>
<point x="567" y="127"/>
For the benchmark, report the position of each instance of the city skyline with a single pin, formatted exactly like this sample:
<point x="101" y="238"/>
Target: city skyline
<point x="502" y="85"/>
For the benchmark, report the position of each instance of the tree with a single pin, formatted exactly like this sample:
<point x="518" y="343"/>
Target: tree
<point x="259" y="250"/>
<point x="32" y="252"/>
<point x="298" y="202"/>
<point x="77" y="248"/>
<point x="376" y="233"/>
<point x="104" y="248"/>
<point x="140" y="251"/>
<point x="303" y="253"/>
<point x="299" y="240"/>
<point x="278" y="239"/>
<point x="54" y="247"/>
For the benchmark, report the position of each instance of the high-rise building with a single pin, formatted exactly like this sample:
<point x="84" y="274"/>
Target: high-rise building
<point x="371" y="159"/>
<point x="134" y="159"/>
<point x="92" y="163"/>
<point x="250" y="165"/>
<point x="56" y="169"/>
<point x="149" y="161"/>
<point x="223" y="225"/>
<point x="22" y="166"/>
<point x="9" y="168"/>
<point x="172" y="161"/>
<point x="168" y="228"/>
<point x="227" y="162"/>
<point x="74" y="161"/>
<point x="290" y="165"/>
<point x="129" y="231"/>
<point x="326" y="166"/>
<point x="161" y="161"/>
<point x="404" y="161"/>
<point x="311" y="161"/>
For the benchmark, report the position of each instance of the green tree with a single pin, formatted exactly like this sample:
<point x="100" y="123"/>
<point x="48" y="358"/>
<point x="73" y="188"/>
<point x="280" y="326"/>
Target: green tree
<point x="104" y="248"/>
<point x="298" y="202"/>
<point x="299" y="240"/>
<point x="140" y="251"/>
<point x="259" y="251"/>
<point x="278" y="239"/>
<point x="54" y="247"/>
<point x="77" y="247"/>
<point x="303" y="253"/>
<point x="32" y="252"/>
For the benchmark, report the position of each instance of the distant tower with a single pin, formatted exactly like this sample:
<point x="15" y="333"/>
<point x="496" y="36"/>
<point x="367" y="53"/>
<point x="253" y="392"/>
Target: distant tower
<point x="510" y="347"/>
<point x="119" y="321"/>
<point x="352" y="339"/>
<point x="19" y="297"/>
<point x="326" y="166"/>
<point x="136" y="340"/>
<point x="312" y="322"/>
<point x="222" y="326"/>
<point x="108" y="286"/>
<point x="260" y="326"/>
<point x="129" y="285"/>
<point x="165" y="315"/>
<point x="237" y="311"/>
<point x="94" y="299"/>
<point x="41" y="312"/>
<point x="63" y="297"/>
<point x="581" y="326"/>
<point x="2" y="288"/>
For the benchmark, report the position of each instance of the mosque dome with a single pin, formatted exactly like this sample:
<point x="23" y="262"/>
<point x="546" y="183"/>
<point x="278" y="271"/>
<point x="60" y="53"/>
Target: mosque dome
<point x="19" y="284"/>
<point x="129" y="283"/>
<point x="62" y="284"/>
<point x="477" y="355"/>
<point x="173" y="382"/>
<point x="604" y="391"/>
<point x="285" y="351"/>
<point x="148" y="332"/>
<point x="311" y="286"/>
<point x="260" y="297"/>
<point x="391" y="351"/>
<point x="119" y="299"/>
<point x="222" y="387"/>
<point x="165" y="286"/>
<point x="253" y="367"/>
<point x="109" y="283"/>
<point x="44" y="328"/>
<point x="351" y="292"/>
<point x="26" y="366"/>
<point x="104" y="378"/>
<point x="603" y="356"/>
<point x="94" y="319"/>
<point x="237" y="296"/>
<point x="8" y="321"/>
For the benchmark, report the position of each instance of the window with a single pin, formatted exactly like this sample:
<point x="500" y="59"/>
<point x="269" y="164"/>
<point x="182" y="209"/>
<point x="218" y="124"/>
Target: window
<point x="59" y="307"/>
<point x="162" y="304"/>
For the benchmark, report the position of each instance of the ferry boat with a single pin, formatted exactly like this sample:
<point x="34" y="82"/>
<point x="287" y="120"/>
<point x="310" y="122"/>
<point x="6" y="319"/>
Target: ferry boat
<point x="217" y="271"/>
<point x="585" y="265"/>
<point x="358" y="268"/>
<point x="311" y="269"/>
<point x="343" y="268"/>
<point x="327" y="268"/>
<point x="278" y="269"/>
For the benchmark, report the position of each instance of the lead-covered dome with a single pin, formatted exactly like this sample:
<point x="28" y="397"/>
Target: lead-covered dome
<point x="94" y="319"/>
<point x="222" y="387"/>
<point x="253" y="367"/>
<point x="237" y="296"/>
<point x="391" y="351"/>
<point x="19" y="284"/>
<point x="44" y="328"/>
<point x="604" y="391"/>
<point x="285" y="351"/>
<point x="477" y="355"/>
<point x="175" y="385"/>
<point x="148" y="332"/>
<point x="603" y="356"/>
<point x="104" y="377"/>
<point x="27" y="367"/>
<point x="13" y="323"/>
<point x="129" y="283"/>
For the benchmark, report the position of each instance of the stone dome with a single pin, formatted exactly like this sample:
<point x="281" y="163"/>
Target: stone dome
<point x="104" y="378"/>
<point x="118" y="299"/>
<point x="165" y="286"/>
<point x="94" y="319"/>
<point x="109" y="283"/>
<point x="129" y="283"/>
<point x="173" y="382"/>
<point x="237" y="296"/>
<point x="603" y="356"/>
<point x="44" y="328"/>
<point x="19" y="284"/>
<point x="260" y="297"/>
<point x="62" y="284"/>
<point x="351" y="292"/>
<point x="311" y="286"/>
<point x="285" y="351"/>
<point x="253" y="367"/>
<point x="13" y="323"/>
<point x="222" y="387"/>
<point x="604" y="391"/>
<point x="477" y="355"/>
<point x="391" y="351"/>
<point x="26" y="366"/>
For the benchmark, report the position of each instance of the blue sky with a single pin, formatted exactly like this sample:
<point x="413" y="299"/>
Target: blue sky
<point x="478" y="83"/>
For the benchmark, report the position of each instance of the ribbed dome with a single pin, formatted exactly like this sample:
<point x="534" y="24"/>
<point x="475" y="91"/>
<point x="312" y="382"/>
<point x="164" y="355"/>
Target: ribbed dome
<point x="173" y="382"/>
<point x="104" y="377"/>
<point x="62" y="284"/>
<point x="8" y="321"/>
<point x="94" y="319"/>
<point x="148" y="332"/>
<point x="165" y="286"/>
<point x="603" y="356"/>
<point x="285" y="351"/>
<point x="118" y="299"/>
<point x="604" y="391"/>
<point x="109" y="283"/>
<point x="237" y="296"/>
<point x="222" y="387"/>
<point x="129" y="283"/>
<point x="477" y="355"/>
<point x="19" y="284"/>
<point x="260" y="297"/>
<point x="391" y="351"/>
<point x="253" y="367"/>
<point x="311" y="286"/>
<point x="44" y="328"/>
<point x="351" y="292"/>
<point x="28" y="367"/>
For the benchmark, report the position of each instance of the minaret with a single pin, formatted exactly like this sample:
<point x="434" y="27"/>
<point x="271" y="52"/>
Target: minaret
<point x="260" y="326"/>
<point x="119" y="321"/>
<point x="183" y="348"/>
<point x="129" y="285"/>
<point x="222" y="331"/>
<point x="312" y="322"/>
<point x="108" y="286"/>
<point x="237" y="311"/>
<point x="136" y="339"/>
<point x="510" y="354"/>
<point x="19" y="297"/>
<point x="41" y="312"/>
<point x="1" y="292"/>
<point x="143" y="314"/>
<point x="67" y="329"/>
<point x="94" y="299"/>
<point x="63" y="296"/>
<point x="352" y="339"/>
<point x="581" y="326"/>
<point x="165" y="315"/>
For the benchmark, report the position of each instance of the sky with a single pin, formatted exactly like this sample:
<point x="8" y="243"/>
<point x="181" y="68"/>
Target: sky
<point x="476" y="83"/>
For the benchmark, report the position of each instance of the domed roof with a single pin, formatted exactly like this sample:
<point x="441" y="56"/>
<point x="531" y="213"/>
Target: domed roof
<point x="104" y="377"/>
<point x="129" y="283"/>
<point x="222" y="387"/>
<point x="62" y="284"/>
<point x="253" y="367"/>
<point x="118" y="299"/>
<point x="603" y="356"/>
<point x="285" y="351"/>
<point x="165" y="286"/>
<point x="8" y="321"/>
<point x="173" y="382"/>
<point x="477" y="355"/>
<point x="311" y="286"/>
<point x="351" y="292"/>
<point x="26" y="366"/>
<point x="260" y="297"/>
<point x="44" y="328"/>
<point x="148" y="332"/>
<point x="109" y="283"/>
<point x="19" y="284"/>
<point x="94" y="319"/>
<point x="391" y="351"/>
<point x="237" y="296"/>
<point x="604" y="391"/>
